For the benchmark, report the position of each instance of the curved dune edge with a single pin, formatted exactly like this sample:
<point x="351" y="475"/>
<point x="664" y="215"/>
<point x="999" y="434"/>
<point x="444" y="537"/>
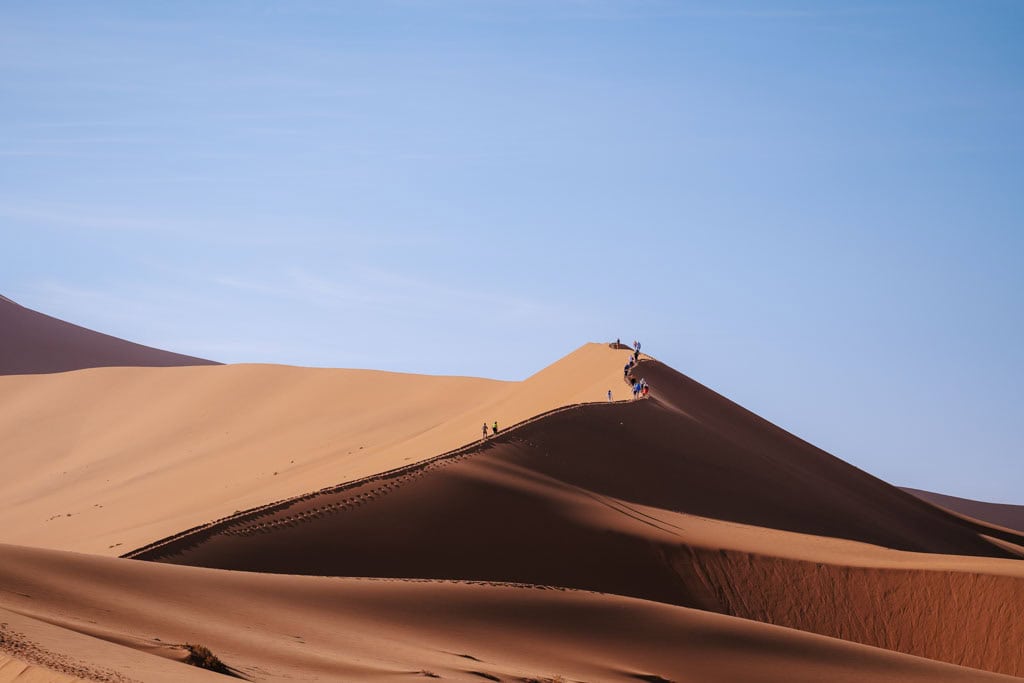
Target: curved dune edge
<point x="123" y="617"/>
<point x="12" y="669"/>
<point x="108" y="459"/>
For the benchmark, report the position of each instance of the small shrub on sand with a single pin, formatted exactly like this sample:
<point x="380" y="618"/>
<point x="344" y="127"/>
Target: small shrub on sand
<point x="200" y="655"/>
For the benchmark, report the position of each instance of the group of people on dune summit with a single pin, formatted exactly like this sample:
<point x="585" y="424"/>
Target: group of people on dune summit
<point x="634" y="358"/>
<point x="640" y="387"/>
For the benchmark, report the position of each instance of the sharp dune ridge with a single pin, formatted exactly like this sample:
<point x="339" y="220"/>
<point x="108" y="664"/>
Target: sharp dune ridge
<point x="675" y="538"/>
<point x="190" y="537"/>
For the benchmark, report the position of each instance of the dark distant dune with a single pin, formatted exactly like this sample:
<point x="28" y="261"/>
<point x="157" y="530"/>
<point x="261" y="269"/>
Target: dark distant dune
<point x="32" y="343"/>
<point x="1000" y="514"/>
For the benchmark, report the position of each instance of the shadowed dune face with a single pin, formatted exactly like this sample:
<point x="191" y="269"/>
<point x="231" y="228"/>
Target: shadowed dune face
<point x="33" y="343"/>
<point x="601" y="497"/>
<point x="746" y="469"/>
<point x="968" y="618"/>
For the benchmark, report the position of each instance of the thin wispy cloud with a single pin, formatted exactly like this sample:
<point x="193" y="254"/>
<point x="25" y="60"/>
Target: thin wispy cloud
<point x="82" y="140"/>
<point x="108" y="309"/>
<point x="118" y="124"/>
<point x="111" y="221"/>
<point x="384" y="290"/>
<point x="30" y="153"/>
<point x="90" y="219"/>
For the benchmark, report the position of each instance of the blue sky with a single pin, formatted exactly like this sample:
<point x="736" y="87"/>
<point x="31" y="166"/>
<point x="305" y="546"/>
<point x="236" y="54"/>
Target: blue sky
<point x="812" y="207"/>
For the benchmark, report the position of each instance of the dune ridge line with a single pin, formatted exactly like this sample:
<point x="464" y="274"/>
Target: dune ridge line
<point x="173" y="542"/>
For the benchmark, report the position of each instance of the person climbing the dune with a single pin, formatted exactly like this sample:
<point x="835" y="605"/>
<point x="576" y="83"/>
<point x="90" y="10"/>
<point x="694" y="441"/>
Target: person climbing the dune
<point x="495" y="427"/>
<point x="483" y="432"/>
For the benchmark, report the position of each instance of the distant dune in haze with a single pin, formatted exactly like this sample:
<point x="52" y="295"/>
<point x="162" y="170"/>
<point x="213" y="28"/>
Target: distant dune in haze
<point x="33" y="343"/>
<point x="1000" y="514"/>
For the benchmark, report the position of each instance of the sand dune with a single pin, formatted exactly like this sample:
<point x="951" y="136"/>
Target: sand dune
<point x="605" y="497"/>
<point x="107" y="459"/>
<point x="686" y="451"/>
<point x="1000" y="514"/>
<point x="118" y="616"/>
<point x="593" y="541"/>
<point x="34" y="343"/>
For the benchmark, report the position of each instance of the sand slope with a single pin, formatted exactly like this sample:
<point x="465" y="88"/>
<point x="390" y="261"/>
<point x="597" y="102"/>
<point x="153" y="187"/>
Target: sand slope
<point x="107" y="459"/>
<point x="34" y="343"/>
<point x="12" y="669"/>
<point x="125" y="617"/>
